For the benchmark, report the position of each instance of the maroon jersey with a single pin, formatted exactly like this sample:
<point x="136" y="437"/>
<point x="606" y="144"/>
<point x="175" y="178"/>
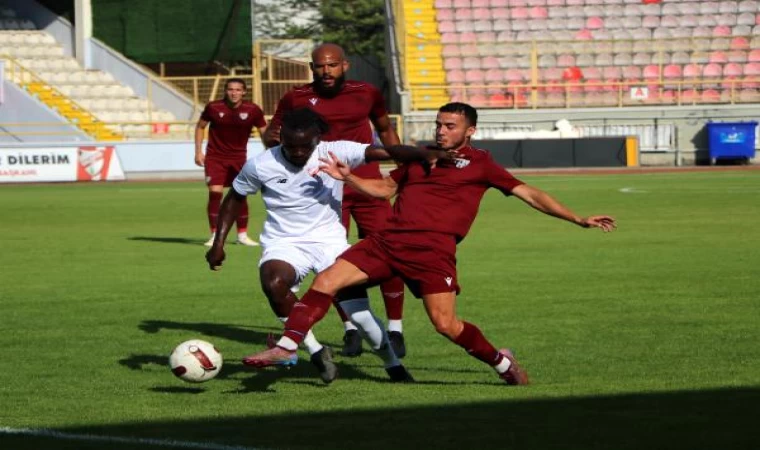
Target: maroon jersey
<point x="447" y="200"/>
<point x="230" y="128"/>
<point x="348" y="114"/>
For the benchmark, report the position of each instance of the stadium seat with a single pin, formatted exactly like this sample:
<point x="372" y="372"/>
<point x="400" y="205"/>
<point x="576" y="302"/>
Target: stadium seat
<point x="444" y="14"/>
<point x="692" y="71"/>
<point x="452" y="63"/>
<point x="439" y="4"/>
<point x="712" y="70"/>
<point x="754" y="55"/>
<point x="739" y="43"/>
<point x="737" y="56"/>
<point x="718" y="57"/>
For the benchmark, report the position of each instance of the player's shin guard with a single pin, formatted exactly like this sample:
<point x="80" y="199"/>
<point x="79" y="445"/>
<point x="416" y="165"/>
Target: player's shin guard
<point x="212" y="208"/>
<point x="393" y="296"/>
<point x="310" y="310"/>
<point x="473" y="341"/>
<point x="242" y="218"/>
<point x="371" y="328"/>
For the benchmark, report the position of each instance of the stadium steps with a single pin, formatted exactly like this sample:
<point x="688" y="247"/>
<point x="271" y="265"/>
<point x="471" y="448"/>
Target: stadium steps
<point x="424" y="60"/>
<point x="74" y="113"/>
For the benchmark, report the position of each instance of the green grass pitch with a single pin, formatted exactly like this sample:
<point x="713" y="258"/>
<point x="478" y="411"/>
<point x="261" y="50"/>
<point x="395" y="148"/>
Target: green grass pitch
<point x="646" y="338"/>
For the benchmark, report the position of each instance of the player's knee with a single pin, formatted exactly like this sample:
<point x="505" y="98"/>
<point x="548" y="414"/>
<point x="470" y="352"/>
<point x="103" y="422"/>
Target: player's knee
<point x="324" y="283"/>
<point x="275" y="287"/>
<point x="446" y="326"/>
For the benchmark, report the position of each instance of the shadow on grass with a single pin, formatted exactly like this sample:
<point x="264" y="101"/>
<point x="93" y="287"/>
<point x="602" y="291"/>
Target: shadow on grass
<point x="715" y="419"/>
<point x="237" y="333"/>
<point x="168" y="240"/>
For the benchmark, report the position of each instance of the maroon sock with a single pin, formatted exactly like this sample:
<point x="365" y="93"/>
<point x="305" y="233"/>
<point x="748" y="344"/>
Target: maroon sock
<point x="473" y="341"/>
<point x="212" y="208"/>
<point x="393" y="296"/>
<point x="310" y="310"/>
<point x="341" y="313"/>
<point x="242" y="219"/>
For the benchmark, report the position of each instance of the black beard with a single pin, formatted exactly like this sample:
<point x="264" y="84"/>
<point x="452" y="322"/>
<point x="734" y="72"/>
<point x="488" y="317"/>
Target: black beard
<point x="330" y="92"/>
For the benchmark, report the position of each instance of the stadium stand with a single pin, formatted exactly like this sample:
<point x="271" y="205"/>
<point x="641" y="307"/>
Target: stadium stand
<point x="92" y="99"/>
<point x="566" y="53"/>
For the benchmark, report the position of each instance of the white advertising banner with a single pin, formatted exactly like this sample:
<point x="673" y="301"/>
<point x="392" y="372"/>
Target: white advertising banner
<point x="86" y="163"/>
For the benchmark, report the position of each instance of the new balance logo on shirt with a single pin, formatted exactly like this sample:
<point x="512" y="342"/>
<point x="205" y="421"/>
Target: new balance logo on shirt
<point x="282" y="181"/>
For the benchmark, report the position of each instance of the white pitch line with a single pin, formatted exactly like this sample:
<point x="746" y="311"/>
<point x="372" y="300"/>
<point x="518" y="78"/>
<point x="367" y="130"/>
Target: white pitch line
<point x="632" y="190"/>
<point x="45" y="433"/>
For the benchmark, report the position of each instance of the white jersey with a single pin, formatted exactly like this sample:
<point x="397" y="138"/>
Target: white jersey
<point x="300" y="207"/>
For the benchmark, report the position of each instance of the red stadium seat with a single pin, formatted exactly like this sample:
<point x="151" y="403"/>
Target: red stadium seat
<point x="452" y="63"/>
<point x="520" y="14"/>
<point x="493" y="75"/>
<point x="490" y="62"/>
<point x="752" y="69"/>
<point x="631" y="73"/>
<point x="446" y="27"/>
<point x="538" y="12"/>
<point x="449" y="38"/>
<point x="474" y="76"/>
<point x="462" y="3"/>
<point x="721" y="30"/>
<point x="499" y="101"/>
<point x="455" y="76"/>
<point x="692" y="71"/>
<point x="710" y="96"/>
<point x="718" y="57"/>
<point x="737" y="56"/>
<point x="450" y="50"/>
<point x="443" y="4"/>
<point x="754" y="55"/>
<point x="462" y="14"/>
<point x="739" y="43"/>
<point x="594" y="23"/>
<point x="471" y="62"/>
<point x="671" y="72"/>
<point x="514" y="75"/>
<point x="444" y="14"/>
<point x="651" y="72"/>
<point x="467" y="38"/>
<point x="610" y="73"/>
<point x="712" y="70"/>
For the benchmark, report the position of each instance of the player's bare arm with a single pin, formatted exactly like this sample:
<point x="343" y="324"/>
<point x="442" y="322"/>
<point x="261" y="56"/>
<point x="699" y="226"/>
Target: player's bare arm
<point x="384" y="188"/>
<point x="200" y="132"/>
<point x="547" y="204"/>
<point x="385" y="131"/>
<point x="228" y="212"/>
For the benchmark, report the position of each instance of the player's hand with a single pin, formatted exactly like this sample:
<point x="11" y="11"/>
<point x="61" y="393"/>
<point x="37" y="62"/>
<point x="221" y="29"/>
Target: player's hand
<point x="200" y="159"/>
<point x="215" y="256"/>
<point x="606" y="223"/>
<point x="442" y="155"/>
<point x="334" y="167"/>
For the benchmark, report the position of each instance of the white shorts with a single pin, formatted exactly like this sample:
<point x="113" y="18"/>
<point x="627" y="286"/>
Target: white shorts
<point x="304" y="257"/>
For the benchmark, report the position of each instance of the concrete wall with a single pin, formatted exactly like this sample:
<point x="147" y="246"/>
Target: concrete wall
<point x="19" y="107"/>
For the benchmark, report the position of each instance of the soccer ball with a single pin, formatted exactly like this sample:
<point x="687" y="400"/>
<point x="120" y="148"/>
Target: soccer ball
<point x="195" y="361"/>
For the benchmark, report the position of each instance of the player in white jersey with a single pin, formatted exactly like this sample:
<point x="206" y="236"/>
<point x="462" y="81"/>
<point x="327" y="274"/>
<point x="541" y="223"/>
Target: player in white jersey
<point x="303" y="232"/>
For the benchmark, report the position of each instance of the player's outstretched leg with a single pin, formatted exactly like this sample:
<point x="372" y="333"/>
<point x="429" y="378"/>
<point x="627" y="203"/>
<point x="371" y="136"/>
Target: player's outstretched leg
<point x="372" y="330"/>
<point x="393" y="297"/>
<point x="442" y="312"/>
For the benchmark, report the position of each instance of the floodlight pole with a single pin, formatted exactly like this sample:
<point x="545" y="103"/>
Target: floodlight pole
<point x="83" y="32"/>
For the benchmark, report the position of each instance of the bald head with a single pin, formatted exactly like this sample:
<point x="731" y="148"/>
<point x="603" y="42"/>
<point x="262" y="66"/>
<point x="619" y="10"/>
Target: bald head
<point x="332" y="50"/>
<point x="328" y="68"/>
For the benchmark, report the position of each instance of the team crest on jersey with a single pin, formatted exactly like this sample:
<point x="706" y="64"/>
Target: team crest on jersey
<point x="313" y="101"/>
<point x="461" y="163"/>
<point x="221" y="114"/>
<point x="243" y="116"/>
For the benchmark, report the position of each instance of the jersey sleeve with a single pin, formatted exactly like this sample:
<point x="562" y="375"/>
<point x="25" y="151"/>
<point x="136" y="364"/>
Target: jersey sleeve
<point x="351" y="153"/>
<point x="206" y="114"/>
<point x="378" y="104"/>
<point x="498" y="177"/>
<point x="247" y="181"/>
<point x="259" y="121"/>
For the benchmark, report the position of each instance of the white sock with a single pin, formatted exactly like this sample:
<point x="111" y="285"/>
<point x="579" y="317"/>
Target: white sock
<point x="287" y="343"/>
<point x="503" y="366"/>
<point x="309" y="341"/>
<point x="349" y="326"/>
<point x="244" y="234"/>
<point x="371" y="329"/>
<point x="395" y="325"/>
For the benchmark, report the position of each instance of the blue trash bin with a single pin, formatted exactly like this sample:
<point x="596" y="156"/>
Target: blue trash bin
<point x="731" y="140"/>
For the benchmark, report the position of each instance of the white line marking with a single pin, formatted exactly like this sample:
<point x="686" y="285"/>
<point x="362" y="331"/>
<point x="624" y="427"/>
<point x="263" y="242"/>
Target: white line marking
<point x="119" y="440"/>
<point x="632" y="190"/>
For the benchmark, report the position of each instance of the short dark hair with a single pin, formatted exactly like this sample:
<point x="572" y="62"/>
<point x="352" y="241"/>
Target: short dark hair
<point x="470" y="113"/>
<point x="303" y="119"/>
<point x="235" y="80"/>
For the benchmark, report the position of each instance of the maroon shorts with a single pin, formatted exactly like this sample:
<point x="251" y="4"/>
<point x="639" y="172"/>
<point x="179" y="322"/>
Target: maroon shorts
<point x="221" y="172"/>
<point x="370" y="214"/>
<point x="425" y="261"/>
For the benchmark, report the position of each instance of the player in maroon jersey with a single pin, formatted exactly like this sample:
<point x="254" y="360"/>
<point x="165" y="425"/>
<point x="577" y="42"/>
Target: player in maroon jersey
<point x="436" y="205"/>
<point x="232" y="119"/>
<point x="349" y="107"/>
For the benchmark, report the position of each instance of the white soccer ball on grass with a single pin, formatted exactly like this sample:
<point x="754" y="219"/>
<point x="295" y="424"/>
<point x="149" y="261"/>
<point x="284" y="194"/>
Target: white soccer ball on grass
<point x="195" y="361"/>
